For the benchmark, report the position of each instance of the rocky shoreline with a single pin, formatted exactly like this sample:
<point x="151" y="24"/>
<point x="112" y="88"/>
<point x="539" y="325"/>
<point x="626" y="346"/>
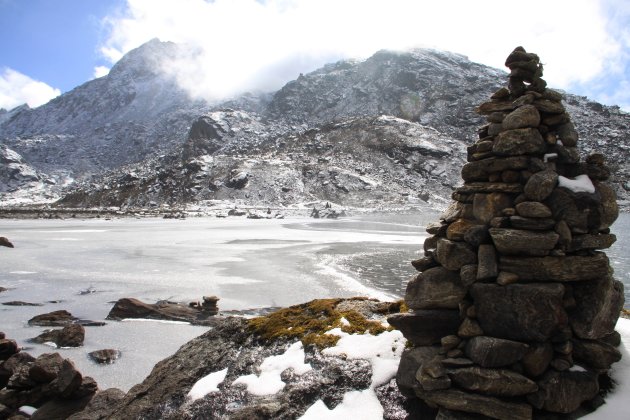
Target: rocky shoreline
<point x="49" y="386"/>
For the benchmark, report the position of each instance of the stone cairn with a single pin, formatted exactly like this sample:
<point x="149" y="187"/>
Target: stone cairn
<point x="512" y="315"/>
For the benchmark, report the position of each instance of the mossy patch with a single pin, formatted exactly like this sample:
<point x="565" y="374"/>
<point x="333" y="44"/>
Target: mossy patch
<point x="310" y="321"/>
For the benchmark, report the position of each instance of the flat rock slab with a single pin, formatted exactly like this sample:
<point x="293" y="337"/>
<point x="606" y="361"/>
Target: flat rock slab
<point x="134" y="308"/>
<point x="436" y="288"/>
<point x="474" y="403"/>
<point x="53" y="319"/>
<point x="491" y="352"/>
<point x="523" y="242"/>
<point x="500" y="382"/>
<point x="568" y="268"/>
<point x="521" y="312"/>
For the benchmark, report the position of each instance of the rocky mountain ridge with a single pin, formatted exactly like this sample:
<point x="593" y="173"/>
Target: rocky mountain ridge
<point x="342" y="133"/>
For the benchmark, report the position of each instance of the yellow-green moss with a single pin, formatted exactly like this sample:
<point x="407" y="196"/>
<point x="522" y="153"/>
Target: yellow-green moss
<point x="310" y="321"/>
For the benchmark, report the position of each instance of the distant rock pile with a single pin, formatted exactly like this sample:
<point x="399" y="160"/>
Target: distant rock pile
<point x="513" y="313"/>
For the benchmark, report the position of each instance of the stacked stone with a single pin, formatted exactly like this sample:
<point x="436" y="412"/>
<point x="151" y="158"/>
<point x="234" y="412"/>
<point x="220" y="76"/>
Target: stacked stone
<point x="513" y="313"/>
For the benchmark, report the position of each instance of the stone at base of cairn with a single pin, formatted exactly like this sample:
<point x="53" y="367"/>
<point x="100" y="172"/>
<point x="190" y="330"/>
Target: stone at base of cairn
<point x="513" y="312"/>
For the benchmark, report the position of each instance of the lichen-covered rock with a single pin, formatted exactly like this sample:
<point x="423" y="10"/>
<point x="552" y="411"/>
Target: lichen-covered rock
<point x="556" y="269"/>
<point x="454" y="255"/>
<point x="520" y="141"/>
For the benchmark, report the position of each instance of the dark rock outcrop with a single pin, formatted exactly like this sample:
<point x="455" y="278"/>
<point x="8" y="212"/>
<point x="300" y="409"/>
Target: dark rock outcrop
<point x="522" y="240"/>
<point x="69" y="336"/>
<point x="49" y="383"/>
<point x="198" y="313"/>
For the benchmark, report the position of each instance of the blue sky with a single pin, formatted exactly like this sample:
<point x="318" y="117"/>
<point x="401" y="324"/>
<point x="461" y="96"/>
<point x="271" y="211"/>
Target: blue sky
<point x="48" y="47"/>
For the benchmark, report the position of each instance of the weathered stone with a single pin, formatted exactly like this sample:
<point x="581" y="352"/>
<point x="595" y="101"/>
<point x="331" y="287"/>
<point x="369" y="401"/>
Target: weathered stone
<point x="504" y="278"/>
<point x="562" y="229"/>
<point x="522" y="117"/>
<point x="600" y="241"/>
<point x="520" y="141"/>
<point x="532" y="312"/>
<point x="452" y="213"/>
<point x="475" y="403"/>
<point x="568" y="134"/>
<point x="537" y="358"/>
<point x="53" y="319"/>
<point x="609" y="209"/>
<point x="477" y="235"/>
<point x="444" y="414"/>
<point x="494" y="129"/>
<point x="533" y="209"/>
<point x="598" y="304"/>
<point x="490" y="187"/>
<point x="104" y="356"/>
<point x="468" y="274"/>
<point x="449" y="342"/>
<point x="530" y="223"/>
<point x="8" y="348"/>
<point x="69" y="336"/>
<point x="457" y="362"/>
<point x="487" y="206"/>
<point x="100" y="405"/>
<point x="425" y="327"/>
<point x="494" y="106"/>
<point x="424" y="263"/>
<point x="479" y="170"/>
<point x="437" y="228"/>
<point x="540" y="185"/>
<point x="564" y="392"/>
<point x="429" y="245"/>
<point x="410" y="362"/>
<point x="429" y="383"/>
<point x="453" y="255"/>
<point x="579" y="210"/>
<point x="459" y="228"/>
<point x="510" y="177"/>
<point x="568" y="268"/>
<point x="493" y="352"/>
<point x="522" y="242"/>
<point x="435" y="288"/>
<point x="561" y="363"/>
<point x="68" y="379"/>
<point x="595" y="354"/>
<point x="46" y="367"/>
<point x="487" y="262"/>
<point x="501" y="382"/>
<point x="469" y="328"/>
<point x="614" y="339"/>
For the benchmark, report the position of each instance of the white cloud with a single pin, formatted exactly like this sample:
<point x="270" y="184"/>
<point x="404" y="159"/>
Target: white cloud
<point x="249" y="44"/>
<point x="17" y="89"/>
<point x="100" y="71"/>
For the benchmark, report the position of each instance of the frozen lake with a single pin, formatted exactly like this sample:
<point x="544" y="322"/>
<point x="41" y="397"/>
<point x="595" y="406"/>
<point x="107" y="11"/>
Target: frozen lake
<point x="247" y="263"/>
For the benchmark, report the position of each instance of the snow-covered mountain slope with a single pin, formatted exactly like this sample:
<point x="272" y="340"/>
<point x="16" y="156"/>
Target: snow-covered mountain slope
<point x="135" y="137"/>
<point x="135" y="111"/>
